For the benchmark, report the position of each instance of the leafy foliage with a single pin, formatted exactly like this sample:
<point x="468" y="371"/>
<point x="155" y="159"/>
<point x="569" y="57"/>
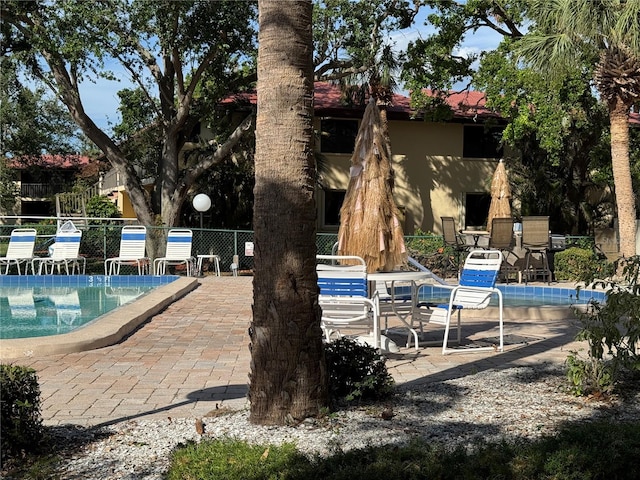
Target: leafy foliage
<point x="31" y="122"/>
<point x="356" y="372"/>
<point x="102" y="207"/>
<point x="580" y="265"/>
<point x="8" y="188"/>
<point x="612" y="332"/>
<point x="20" y="417"/>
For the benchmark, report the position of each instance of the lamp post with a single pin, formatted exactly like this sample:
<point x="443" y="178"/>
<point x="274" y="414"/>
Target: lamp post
<point x="201" y="203"/>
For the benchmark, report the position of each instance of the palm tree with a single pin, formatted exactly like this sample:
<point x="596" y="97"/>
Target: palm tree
<point x="287" y="381"/>
<point x="605" y="33"/>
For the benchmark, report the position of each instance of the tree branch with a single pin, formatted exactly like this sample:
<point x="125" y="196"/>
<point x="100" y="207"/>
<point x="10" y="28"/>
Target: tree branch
<point x="222" y="152"/>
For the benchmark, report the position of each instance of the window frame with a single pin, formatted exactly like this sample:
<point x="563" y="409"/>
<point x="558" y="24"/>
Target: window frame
<point x="486" y="144"/>
<point x="342" y="144"/>
<point x="326" y="195"/>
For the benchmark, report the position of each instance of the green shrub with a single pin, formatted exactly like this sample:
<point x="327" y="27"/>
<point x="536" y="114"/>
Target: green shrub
<point x="589" y="376"/>
<point x="20" y="417"/>
<point x="423" y="243"/>
<point x="612" y="332"/>
<point x="429" y="251"/>
<point x="101" y="207"/>
<point x="580" y="265"/>
<point x="356" y="372"/>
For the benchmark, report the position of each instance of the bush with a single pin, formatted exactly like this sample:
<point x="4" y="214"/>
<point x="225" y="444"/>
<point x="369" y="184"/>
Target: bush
<point x="101" y="207"/>
<point x="612" y="332"/>
<point x="356" y="372"/>
<point x="423" y="243"/>
<point x="20" y="416"/>
<point x="429" y="251"/>
<point x="580" y="265"/>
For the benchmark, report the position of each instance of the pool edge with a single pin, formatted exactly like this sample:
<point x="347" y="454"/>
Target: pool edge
<point x="107" y="330"/>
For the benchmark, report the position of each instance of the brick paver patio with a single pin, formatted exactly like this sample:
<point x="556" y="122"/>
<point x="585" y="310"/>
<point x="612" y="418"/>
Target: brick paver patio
<point x="193" y="358"/>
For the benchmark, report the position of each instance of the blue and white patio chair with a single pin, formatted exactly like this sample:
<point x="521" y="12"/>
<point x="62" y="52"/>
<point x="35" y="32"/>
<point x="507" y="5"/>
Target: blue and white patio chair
<point x="344" y="298"/>
<point x="19" y="251"/>
<point x="65" y="252"/>
<point x="179" y="242"/>
<point x="132" y="251"/>
<point x="474" y="292"/>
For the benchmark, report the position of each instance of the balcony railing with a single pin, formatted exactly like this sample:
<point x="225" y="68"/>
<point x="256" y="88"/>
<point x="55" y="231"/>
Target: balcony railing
<point x="41" y="190"/>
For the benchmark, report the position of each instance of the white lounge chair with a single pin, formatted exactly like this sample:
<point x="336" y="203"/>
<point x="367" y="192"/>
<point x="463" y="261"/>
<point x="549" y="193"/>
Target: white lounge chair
<point x="179" y="241"/>
<point x="132" y="251"/>
<point x="474" y="292"/>
<point x="344" y="298"/>
<point x="20" y="250"/>
<point x="65" y="252"/>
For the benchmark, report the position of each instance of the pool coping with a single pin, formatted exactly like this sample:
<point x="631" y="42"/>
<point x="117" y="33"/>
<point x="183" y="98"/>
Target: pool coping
<point x="106" y="330"/>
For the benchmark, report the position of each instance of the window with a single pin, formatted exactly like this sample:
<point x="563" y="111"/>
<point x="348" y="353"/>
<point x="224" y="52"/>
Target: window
<point x="476" y="209"/>
<point x="482" y="142"/>
<point x="338" y="136"/>
<point x="330" y="216"/>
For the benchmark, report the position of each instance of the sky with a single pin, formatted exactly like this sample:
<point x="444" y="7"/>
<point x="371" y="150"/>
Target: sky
<point x="101" y="100"/>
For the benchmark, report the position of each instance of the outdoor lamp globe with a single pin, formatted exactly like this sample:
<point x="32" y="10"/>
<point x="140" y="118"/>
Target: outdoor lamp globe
<point x="201" y="202"/>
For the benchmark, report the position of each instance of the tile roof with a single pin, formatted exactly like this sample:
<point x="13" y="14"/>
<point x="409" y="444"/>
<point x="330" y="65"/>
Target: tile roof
<point x="328" y="101"/>
<point x="49" y="161"/>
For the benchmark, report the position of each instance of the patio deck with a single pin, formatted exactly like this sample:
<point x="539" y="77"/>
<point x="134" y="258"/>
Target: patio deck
<point x="193" y="358"/>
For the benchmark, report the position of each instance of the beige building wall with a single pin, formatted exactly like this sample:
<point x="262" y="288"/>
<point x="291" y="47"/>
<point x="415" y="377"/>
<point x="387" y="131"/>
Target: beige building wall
<point x="431" y="176"/>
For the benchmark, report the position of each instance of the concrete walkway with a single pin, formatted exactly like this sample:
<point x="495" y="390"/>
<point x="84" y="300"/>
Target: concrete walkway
<point x="193" y="358"/>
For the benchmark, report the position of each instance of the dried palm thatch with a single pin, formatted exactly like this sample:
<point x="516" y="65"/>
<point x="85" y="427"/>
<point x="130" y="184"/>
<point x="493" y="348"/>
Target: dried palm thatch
<point x="500" y="206"/>
<point x="369" y="218"/>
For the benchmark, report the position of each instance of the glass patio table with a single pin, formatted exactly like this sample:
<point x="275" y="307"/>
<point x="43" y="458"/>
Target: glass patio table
<point x="400" y="305"/>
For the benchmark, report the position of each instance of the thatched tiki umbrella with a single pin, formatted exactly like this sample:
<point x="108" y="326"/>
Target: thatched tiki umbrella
<point x="369" y="218"/>
<point x="500" y="195"/>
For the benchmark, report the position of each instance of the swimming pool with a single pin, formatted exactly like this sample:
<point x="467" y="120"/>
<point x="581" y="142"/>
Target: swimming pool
<point x="524" y="296"/>
<point x="36" y="306"/>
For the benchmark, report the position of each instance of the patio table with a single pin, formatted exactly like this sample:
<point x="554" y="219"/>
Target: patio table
<point x="398" y="305"/>
<point x="475" y="235"/>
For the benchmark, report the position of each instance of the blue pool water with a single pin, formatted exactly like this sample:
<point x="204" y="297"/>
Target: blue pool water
<point x="524" y="296"/>
<point x="41" y="305"/>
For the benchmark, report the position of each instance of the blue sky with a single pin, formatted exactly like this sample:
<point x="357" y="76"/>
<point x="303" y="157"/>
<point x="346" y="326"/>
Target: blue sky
<point x="101" y="100"/>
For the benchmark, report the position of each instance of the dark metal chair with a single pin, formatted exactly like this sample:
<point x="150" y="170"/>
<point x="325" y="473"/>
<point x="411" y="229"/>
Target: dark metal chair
<point x="502" y="239"/>
<point x="535" y="240"/>
<point x="453" y="240"/>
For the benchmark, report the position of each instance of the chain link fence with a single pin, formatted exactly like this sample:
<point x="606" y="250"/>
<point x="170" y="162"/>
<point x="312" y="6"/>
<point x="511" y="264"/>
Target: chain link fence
<point x="101" y="240"/>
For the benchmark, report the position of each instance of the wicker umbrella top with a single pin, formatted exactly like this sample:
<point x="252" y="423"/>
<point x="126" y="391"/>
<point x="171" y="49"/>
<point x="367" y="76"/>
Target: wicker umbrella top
<point x="500" y="206"/>
<point x="369" y="218"/>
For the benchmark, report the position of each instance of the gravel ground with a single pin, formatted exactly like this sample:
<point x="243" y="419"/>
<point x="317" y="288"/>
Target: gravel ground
<point x="515" y="403"/>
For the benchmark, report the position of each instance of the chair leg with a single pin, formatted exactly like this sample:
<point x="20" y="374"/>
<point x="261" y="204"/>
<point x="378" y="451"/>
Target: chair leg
<point x="547" y="270"/>
<point x="447" y="328"/>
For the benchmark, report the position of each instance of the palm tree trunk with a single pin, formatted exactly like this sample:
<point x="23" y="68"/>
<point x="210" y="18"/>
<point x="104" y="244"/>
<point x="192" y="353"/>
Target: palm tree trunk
<point x="287" y="380"/>
<point x="625" y="198"/>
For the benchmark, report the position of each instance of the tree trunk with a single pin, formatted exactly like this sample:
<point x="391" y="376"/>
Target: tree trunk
<point x="625" y="198"/>
<point x="287" y="380"/>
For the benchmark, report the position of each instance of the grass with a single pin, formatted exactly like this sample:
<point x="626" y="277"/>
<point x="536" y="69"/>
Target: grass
<point x="599" y="450"/>
<point x="580" y="451"/>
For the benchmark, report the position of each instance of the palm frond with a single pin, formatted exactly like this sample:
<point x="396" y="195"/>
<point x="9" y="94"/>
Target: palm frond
<point x="627" y="27"/>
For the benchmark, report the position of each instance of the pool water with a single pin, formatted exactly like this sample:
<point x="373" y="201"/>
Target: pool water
<point x="524" y="296"/>
<point x="35" y="306"/>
